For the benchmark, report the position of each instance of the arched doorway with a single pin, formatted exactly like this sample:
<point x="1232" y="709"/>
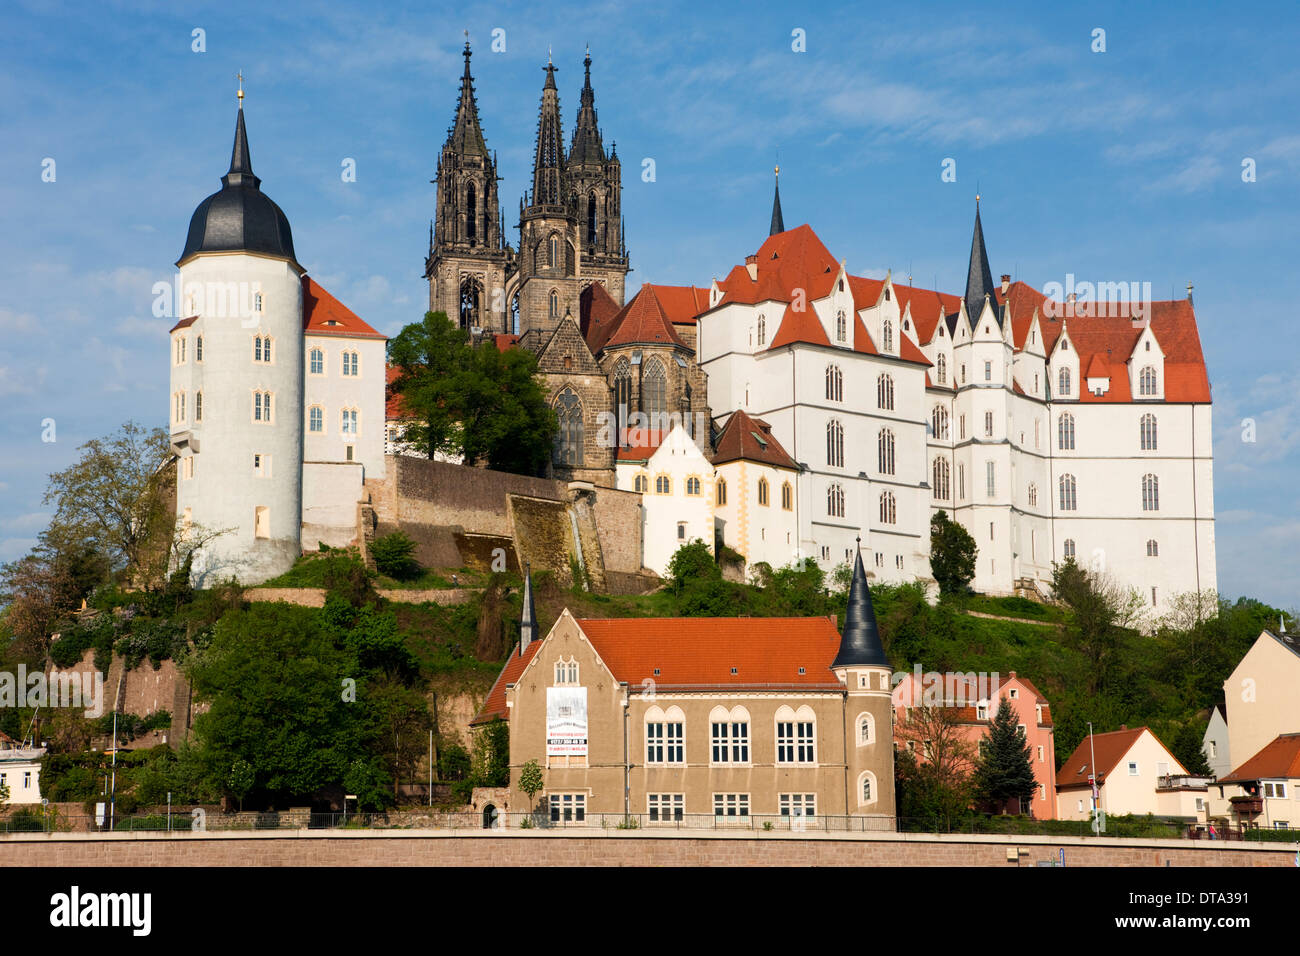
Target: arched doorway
<point x="490" y="817"/>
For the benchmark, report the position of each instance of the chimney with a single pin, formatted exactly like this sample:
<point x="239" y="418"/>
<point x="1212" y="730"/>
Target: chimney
<point x="751" y="266"/>
<point x="1123" y="726"/>
<point x="1070" y="298"/>
<point x="1006" y="284"/>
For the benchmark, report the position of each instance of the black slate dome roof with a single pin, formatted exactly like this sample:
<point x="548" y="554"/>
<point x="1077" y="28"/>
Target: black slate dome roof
<point x="240" y="217"/>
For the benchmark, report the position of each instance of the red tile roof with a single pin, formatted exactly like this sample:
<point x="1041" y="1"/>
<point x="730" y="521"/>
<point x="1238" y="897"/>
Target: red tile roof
<point x="643" y="321"/>
<point x="682" y="303"/>
<point x="495" y="704"/>
<point x="322" y="314"/>
<point x="504" y="341"/>
<point x="639" y="444"/>
<point x="794" y="259"/>
<point x="393" y="407"/>
<point x="1110" y="750"/>
<point x="799" y="326"/>
<point x="596" y="312"/>
<point x="1279" y="759"/>
<point x="701" y="652"/>
<point x="750" y="439"/>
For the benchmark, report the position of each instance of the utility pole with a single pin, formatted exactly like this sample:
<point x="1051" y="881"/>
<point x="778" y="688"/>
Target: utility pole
<point x="112" y="799"/>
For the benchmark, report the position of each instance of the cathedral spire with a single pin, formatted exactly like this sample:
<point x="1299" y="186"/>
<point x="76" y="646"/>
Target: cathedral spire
<point x="528" y="619"/>
<point x="241" y="163"/>
<point x="860" y="644"/>
<point x="979" y="277"/>
<point x="466" y="135"/>
<point x="586" y="146"/>
<point x="548" y="163"/>
<point x="778" y="223"/>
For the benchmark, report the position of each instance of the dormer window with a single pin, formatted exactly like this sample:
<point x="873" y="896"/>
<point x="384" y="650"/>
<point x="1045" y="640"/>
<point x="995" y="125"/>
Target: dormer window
<point x="886" y="295"/>
<point x="1147" y="381"/>
<point x="841" y="327"/>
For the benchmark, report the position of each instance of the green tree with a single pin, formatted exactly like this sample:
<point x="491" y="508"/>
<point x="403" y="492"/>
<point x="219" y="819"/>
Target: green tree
<point x="475" y="401"/>
<point x="394" y="556"/>
<point x="952" y="554"/>
<point x="530" y="781"/>
<point x="491" y="760"/>
<point x="932" y="770"/>
<point x="691" y="564"/>
<point x="1004" y="772"/>
<point x="241" y="779"/>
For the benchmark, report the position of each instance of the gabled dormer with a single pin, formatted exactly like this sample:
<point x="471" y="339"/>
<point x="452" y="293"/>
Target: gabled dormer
<point x="835" y="311"/>
<point x="1146" y="368"/>
<point x="1098" y="375"/>
<point x="1063" y="369"/>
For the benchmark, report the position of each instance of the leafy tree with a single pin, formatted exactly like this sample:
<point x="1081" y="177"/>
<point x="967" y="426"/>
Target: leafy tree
<point x="1100" y="611"/>
<point x="530" y="781"/>
<point x="394" y="556"/>
<point x="952" y="554"/>
<point x="485" y="405"/>
<point x="453" y="762"/>
<point x="241" y="779"/>
<point x="491" y="761"/>
<point x="1004" y="772"/>
<point x="933" y="769"/>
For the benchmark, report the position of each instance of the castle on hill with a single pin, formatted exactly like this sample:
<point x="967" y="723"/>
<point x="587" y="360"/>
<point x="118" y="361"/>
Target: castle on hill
<point x="784" y="410"/>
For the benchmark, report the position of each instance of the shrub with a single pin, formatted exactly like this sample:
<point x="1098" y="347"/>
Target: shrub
<point x="394" y="556"/>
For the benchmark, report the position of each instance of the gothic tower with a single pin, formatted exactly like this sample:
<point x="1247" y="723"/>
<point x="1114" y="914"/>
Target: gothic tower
<point x="468" y="261"/>
<point x="595" y="190"/>
<point x="549" y="249"/>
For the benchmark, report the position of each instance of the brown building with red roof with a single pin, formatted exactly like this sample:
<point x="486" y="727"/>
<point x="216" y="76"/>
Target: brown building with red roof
<point x="703" y="721"/>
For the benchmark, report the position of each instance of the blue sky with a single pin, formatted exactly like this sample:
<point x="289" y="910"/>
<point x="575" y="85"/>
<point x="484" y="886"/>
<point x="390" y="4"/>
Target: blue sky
<point x="1116" y="165"/>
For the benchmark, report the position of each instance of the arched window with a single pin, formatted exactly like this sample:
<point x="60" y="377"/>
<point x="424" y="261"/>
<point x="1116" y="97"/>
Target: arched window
<point x="1153" y="548"/>
<point x="841" y="327"/>
<point x="654" y="389"/>
<point x="835" y="501"/>
<point x="316" y="419"/>
<point x="1065" y="432"/>
<point x="261" y="348"/>
<point x="721" y="485"/>
<point x="568" y="440"/>
<point x="939" y="422"/>
<point x="866" y="788"/>
<point x="885" y="451"/>
<point x="692" y="486"/>
<point x="762" y="491"/>
<point x="553" y="251"/>
<point x="553" y="305"/>
<point x="1150" y="493"/>
<point x="349" y="423"/>
<point x="471" y="213"/>
<point x="834" y="383"/>
<point x="762" y="330"/>
<point x="317" y="362"/>
<point x="663" y="485"/>
<point x="262" y="407"/>
<point x="787" y="496"/>
<point x="641" y="484"/>
<point x="470" y="300"/>
<point x="885" y="392"/>
<point x="1147" y="381"/>
<point x="622" y="393"/>
<point x="198" y="406"/>
<point x="1033" y="495"/>
<point x="351" y="363"/>
<point x="866" y="730"/>
<point x="591" y="219"/>
<point x="888" y="337"/>
<point x="1069" y="498"/>
<point x="941" y="483"/>
<point x="888" y="508"/>
<point x="1063" y="381"/>
<point x="1068" y="549"/>
<point x="942" y="370"/>
<point x="1148" y="432"/>
<point x="834" y="444"/>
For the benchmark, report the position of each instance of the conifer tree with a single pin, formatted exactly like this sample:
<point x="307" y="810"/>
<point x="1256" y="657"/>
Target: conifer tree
<point x="1004" y="772"/>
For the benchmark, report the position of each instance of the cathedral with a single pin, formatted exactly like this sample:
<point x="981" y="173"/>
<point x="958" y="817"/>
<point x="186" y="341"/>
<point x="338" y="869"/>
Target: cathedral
<point x="560" y="295"/>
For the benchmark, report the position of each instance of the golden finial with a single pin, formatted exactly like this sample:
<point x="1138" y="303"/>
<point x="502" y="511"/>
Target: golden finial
<point x="777" y="169"/>
<point x="240" y="94"/>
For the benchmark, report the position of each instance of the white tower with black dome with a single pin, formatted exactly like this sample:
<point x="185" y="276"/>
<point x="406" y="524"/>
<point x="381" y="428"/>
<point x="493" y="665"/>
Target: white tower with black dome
<point x="237" y="380"/>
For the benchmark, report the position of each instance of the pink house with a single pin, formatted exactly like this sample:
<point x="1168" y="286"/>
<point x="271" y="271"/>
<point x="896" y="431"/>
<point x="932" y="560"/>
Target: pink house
<point x="976" y="698"/>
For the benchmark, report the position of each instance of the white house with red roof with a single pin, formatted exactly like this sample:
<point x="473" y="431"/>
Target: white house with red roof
<point x="755" y="494"/>
<point x="1050" y="430"/>
<point x="676" y="482"/>
<point x="277" y="390"/>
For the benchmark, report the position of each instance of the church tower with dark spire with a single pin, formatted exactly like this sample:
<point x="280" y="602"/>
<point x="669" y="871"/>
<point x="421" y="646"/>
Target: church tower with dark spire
<point x="778" y="221"/>
<point x="468" y="261"/>
<point x="862" y="667"/>
<point x="979" y="277"/>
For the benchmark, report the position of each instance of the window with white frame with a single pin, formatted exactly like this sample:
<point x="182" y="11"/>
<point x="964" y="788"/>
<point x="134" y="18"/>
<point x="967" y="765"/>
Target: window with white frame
<point x="262" y="407"/>
<point x="795" y="742"/>
<point x="835" y="501"/>
<point x="1275" y="789"/>
<point x="198" y="406"/>
<point x="1153" y="548"/>
<point x="180" y="350"/>
<point x="1147" y="432"/>
<point x="888" y="336"/>
<point x="351" y="362"/>
<point x="888" y="508"/>
<point x="664" y="742"/>
<point x="1132" y="768"/>
<point x="866" y="730"/>
<point x="261" y="466"/>
<point x="1068" y="549"/>
<point x="988" y="424"/>
<point x="663" y="485"/>
<point x="990" y="475"/>
<point x="198" y="349"/>
<point x="568" y="807"/>
<point x="834" y="383"/>
<point x="939" y="422"/>
<point x="692" y="486"/>
<point x="841" y="327"/>
<point x="797" y="804"/>
<point x="867" y="788"/>
<point x="941" y="483"/>
<point x="1069" y="493"/>
<point x="942" y="369"/>
<point x="666" y="807"/>
<point x="729" y="741"/>
<point x="317" y="363"/>
<point x="566" y="672"/>
<point x="834" y="444"/>
<point x="1063" y="381"/>
<point x="885" y="451"/>
<point x="261" y="348"/>
<point x="885" y="392"/>
<point x="316" y="419"/>
<point x="732" y="805"/>
<point x="1147" y="381"/>
<point x="1065" y="432"/>
<point x="179" y="409"/>
<point x="349" y="421"/>
<point x="1150" y="493"/>
<point x="988" y="371"/>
